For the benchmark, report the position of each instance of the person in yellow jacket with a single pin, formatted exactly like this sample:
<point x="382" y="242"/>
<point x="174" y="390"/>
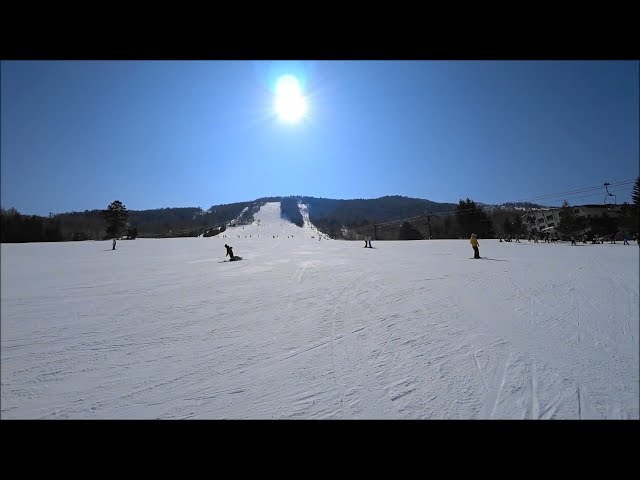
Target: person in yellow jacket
<point x="474" y="244"/>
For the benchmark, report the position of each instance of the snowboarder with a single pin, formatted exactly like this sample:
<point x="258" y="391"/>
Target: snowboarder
<point x="114" y="244"/>
<point x="229" y="252"/>
<point x="474" y="244"/>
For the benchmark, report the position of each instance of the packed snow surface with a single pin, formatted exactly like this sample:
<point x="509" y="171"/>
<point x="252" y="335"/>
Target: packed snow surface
<point x="310" y="328"/>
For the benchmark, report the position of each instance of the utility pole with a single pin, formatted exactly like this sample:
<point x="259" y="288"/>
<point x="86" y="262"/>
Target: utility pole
<point x="428" y="215"/>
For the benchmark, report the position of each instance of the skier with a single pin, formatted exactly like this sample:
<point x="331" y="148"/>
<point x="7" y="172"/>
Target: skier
<point x="474" y="244"/>
<point x="114" y="244"/>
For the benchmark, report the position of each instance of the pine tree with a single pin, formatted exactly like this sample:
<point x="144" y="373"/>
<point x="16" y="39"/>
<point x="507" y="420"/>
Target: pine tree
<point x="472" y="219"/>
<point x="635" y="194"/>
<point x="115" y="217"/>
<point x="570" y="222"/>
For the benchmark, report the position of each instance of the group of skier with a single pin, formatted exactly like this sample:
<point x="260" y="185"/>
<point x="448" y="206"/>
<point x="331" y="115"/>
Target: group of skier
<point x="475" y="245"/>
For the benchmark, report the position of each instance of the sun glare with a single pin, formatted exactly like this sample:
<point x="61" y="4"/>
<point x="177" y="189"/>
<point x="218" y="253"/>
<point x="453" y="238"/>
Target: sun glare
<point x="290" y="104"/>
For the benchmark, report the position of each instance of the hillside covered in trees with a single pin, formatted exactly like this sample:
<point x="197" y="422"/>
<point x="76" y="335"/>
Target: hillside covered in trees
<point x="390" y="217"/>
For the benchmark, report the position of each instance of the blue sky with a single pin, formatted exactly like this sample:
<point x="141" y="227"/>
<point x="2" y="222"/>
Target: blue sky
<point x="77" y="135"/>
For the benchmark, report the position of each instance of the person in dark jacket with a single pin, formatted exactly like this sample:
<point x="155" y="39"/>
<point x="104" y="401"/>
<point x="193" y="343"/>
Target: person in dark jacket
<point x="229" y="252"/>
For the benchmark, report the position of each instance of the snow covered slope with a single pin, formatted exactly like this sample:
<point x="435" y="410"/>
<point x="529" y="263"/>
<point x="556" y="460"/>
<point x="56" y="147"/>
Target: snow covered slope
<point x="268" y="223"/>
<point x="302" y="328"/>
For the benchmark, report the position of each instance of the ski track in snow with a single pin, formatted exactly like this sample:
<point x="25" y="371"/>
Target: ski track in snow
<point x="315" y="328"/>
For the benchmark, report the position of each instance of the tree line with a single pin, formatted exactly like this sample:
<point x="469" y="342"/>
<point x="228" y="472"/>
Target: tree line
<point x="390" y="217"/>
<point x="99" y="224"/>
<point x="16" y="228"/>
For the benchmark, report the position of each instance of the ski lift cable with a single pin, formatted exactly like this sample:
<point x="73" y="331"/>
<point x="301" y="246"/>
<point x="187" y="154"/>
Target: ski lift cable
<point x="572" y="192"/>
<point x="577" y="190"/>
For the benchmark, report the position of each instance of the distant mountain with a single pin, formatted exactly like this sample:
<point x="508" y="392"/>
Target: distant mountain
<point x="332" y="216"/>
<point x="511" y="206"/>
<point x="388" y="217"/>
<point x="329" y="215"/>
<point x="520" y="205"/>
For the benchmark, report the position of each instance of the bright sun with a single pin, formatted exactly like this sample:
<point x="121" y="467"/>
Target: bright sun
<point x="290" y="105"/>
